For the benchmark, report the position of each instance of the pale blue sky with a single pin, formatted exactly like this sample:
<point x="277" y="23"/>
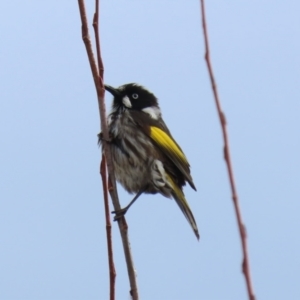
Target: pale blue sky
<point x="52" y="232"/>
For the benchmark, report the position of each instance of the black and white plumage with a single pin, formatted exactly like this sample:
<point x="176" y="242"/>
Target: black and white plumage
<point x="146" y="157"/>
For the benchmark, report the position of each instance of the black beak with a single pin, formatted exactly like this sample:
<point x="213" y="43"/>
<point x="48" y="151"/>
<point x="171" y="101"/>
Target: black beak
<point x="113" y="91"/>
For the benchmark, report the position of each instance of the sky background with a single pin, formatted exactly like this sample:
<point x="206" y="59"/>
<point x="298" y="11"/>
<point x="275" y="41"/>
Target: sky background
<point x="52" y="228"/>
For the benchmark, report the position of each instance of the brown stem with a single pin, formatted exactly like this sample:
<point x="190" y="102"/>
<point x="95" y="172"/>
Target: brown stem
<point x="112" y="272"/>
<point x="98" y="80"/>
<point x="242" y="228"/>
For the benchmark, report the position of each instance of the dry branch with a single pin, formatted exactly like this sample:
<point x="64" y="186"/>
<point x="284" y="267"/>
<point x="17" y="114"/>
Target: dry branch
<point x="98" y="80"/>
<point x="242" y="228"/>
<point x="111" y="265"/>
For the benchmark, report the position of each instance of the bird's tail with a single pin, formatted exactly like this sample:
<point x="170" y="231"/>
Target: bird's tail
<point x="184" y="206"/>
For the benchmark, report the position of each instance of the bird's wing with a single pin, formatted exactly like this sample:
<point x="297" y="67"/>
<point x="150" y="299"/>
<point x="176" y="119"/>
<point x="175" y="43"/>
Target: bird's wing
<point x="161" y="136"/>
<point x="168" y="145"/>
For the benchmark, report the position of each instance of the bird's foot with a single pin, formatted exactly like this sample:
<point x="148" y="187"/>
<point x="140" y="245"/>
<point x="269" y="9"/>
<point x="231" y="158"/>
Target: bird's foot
<point x="119" y="213"/>
<point x="101" y="138"/>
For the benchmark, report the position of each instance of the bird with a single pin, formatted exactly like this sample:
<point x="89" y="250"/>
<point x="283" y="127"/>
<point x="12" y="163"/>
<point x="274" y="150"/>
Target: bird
<point x="146" y="158"/>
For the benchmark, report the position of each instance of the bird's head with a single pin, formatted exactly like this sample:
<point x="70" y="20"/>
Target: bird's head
<point x="134" y="97"/>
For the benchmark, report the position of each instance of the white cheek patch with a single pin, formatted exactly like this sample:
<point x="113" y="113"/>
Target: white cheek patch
<point x="126" y="102"/>
<point x="153" y="112"/>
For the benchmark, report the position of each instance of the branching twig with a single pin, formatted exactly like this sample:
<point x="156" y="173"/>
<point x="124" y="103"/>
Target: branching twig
<point x="98" y="80"/>
<point x="242" y="228"/>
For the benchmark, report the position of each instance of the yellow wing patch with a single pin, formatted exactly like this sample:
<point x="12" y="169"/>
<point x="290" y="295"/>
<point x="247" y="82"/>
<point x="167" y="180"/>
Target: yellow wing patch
<point x="164" y="140"/>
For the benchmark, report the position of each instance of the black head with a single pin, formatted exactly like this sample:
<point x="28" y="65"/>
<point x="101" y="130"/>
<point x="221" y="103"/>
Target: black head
<point x="132" y="96"/>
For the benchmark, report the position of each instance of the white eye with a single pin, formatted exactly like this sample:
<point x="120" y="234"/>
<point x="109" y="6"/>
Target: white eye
<point x="135" y="96"/>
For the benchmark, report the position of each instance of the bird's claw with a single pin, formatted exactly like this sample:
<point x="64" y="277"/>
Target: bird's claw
<point x="119" y="213"/>
<point x="101" y="138"/>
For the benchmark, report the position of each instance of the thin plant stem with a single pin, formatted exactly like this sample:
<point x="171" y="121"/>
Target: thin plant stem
<point x="241" y="226"/>
<point x="98" y="80"/>
<point x="111" y="265"/>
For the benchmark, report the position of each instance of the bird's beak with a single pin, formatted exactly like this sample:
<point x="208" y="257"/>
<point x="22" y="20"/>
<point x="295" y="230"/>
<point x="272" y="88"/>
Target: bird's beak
<point x="113" y="91"/>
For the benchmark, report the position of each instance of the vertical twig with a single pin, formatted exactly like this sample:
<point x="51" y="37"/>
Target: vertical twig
<point x="112" y="272"/>
<point x="242" y="228"/>
<point x="98" y="80"/>
<point x="98" y="49"/>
